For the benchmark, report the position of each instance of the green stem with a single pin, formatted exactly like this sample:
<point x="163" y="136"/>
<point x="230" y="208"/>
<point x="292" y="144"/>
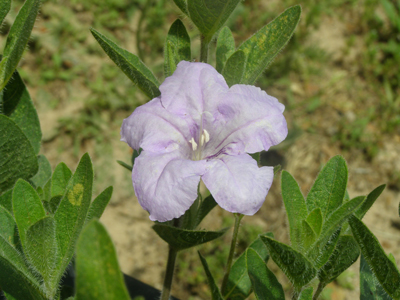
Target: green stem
<point x="318" y="292"/>
<point x="139" y="28"/>
<point x="238" y="218"/>
<point x="204" y="49"/>
<point x="1" y="102"/>
<point x="169" y="274"/>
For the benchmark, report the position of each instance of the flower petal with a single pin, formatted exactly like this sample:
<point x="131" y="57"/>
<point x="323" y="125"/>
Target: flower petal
<point x="152" y="128"/>
<point x="237" y="184"/>
<point x="250" y="120"/>
<point x="165" y="184"/>
<point x="193" y="89"/>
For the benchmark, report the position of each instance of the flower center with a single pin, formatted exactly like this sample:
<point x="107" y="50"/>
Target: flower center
<point x="203" y="139"/>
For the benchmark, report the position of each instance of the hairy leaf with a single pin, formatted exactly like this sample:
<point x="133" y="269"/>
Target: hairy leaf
<point x="371" y="198"/>
<point x="206" y="206"/>
<point x="44" y="173"/>
<point x="264" y="282"/>
<point x="234" y="68"/>
<point x="215" y="292"/>
<point x="7" y="226"/>
<point x="370" y="288"/>
<point x="180" y="239"/>
<point x="98" y="275"/>
<point x="99" y="204"/>
<point x="17" y="39"/>
<point x="306" y="294"/>
<point x="225" y="47"/>
<point x="315" y="221"/>
<point x="130" y="64"/>
<point x="265" y="44"/>
<point x="17" y="157"/>
<point x="296" y="208"/>
<point x="383" y="268"/>
<point x="182" y="5"/>
<point x="61" y="176"/>
<point x="177" y="47"/>
<point x="5" y="7"/>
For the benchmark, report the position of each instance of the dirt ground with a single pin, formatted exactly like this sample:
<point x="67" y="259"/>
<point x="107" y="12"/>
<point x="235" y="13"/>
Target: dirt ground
<point x="143" y="255"/>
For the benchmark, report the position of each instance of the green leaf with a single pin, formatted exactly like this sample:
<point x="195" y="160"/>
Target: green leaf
<point x="266" y="43"/>
<point x="177" y="47"/>
<point x="7" y="226"/>
<point x="215" y="292"/>
<point x="384" y="269"/>
<point x="234" y="68"/>
<point x="27" y="208"/>
<point x="61" y="176"/>
<point x="314" y="219"/>
<point x="206" y="206"/>
<point x="180" y="239"/>
<point x="130" y="64"/>
<point x="306" y="294"/>
<point x="296" y="208"/>
<point x="125" y="165"/>
<point x="44" y="173"/>
<point x="370" y="288"/>
<point x="52" y="205"/>
<point x="98" y="275"/>
<point x="323" y="248"/>
<point x="264" y="282"/>
<point x="296" y="267"/>
<point x="367" y="204"/>
<point x="239" y="284"/>
<point x="210" y="15"/>
<point x="6" y="201"/>
<point x="17" y="158"/>
<point x="18" y="106"/>
<point x="345" y="254"/>
<point x="329" y="189"/>
<point x="5" y="7"/>
<point x="308" y="235"/>
<point x="17" y="39"/>
<point x="182" y="5"/>
<point x="225" y="47"/>
<point x="99" y="204"/>
<point x="71" y="214"/>
<point x="41" y="250"/>
<point x="15" y="277"/>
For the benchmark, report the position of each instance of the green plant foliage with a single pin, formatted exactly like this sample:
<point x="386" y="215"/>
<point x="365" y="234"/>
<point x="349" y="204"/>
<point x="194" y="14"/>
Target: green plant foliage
<point x="205" y="207"/>
<point x="125" y="165"/>
<point x="296" y="267"/>
<point x="266" y="43"/>
<point x="215" y="292"/>
<point x="19" y="107"/>
<point x="71" y="214"/>
<point x="369" y="201"/>
<point x="6" y="201"/>
<point x="264" y="282"/>
<point x="370" y="288"/>
<point x="383" y="268"/>
<point x="130" y="64"/>
<point x="17" y="157"/>
<point x="5" y="7"/>
<point x="345" y="254"/>
<point x="59" y="181"/>
<point x="98" y="275"/>
<point x="41" y="250"/>
<point x="209" y="15"/>
<point x="322" y="249"/>
<point x="27" y="208"/>
<point x="239" y="284"/>
<point x="182" y="5"/>
<point x="234" y="68"/>
<point x="7" y="226"/>
<point x="314" y="219"/>
<point x="225" y="47"/>
<point x="44" y="173"/>
<point x="180" y="239"/>
<point x="308" y="234"/>
<point x="306" y="294"/>
<point x="15" y="276"/>
<point x="296" y="208"/>
<point x="177" y="47"/>
<point x="99" y="204"/>
<point x="329" y="189"/>
<point x="17" y="40"/>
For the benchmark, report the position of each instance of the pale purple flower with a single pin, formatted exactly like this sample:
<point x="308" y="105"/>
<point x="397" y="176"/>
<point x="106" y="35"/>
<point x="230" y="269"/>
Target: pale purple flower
<point x="201" y="128"/>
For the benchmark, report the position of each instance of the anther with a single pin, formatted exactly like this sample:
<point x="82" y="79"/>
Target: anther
<point x="194" y="144"/>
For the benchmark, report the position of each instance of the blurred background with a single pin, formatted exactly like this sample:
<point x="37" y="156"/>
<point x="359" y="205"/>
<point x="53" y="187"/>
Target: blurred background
<point x="339" y="78"/>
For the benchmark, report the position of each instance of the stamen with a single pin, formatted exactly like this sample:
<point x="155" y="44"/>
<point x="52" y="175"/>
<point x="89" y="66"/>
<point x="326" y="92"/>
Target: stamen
<point x="194" y="144"/>
<point x="206" y="135"/>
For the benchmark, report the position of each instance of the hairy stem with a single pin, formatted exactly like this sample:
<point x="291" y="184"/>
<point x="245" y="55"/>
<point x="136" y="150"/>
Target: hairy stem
<point x="169" y="274"/>
<point x="238" y="218"/>
<point x="204" y="49"/>
<point x="321" y="286"/>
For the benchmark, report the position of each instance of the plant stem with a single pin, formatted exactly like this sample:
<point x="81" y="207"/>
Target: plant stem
<point x="203" y="49"/>
<point x="321" y="286"/>
<point x="169" y="274"/>
<point x="238" y="218"/>
<point x="1" y="102"/>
